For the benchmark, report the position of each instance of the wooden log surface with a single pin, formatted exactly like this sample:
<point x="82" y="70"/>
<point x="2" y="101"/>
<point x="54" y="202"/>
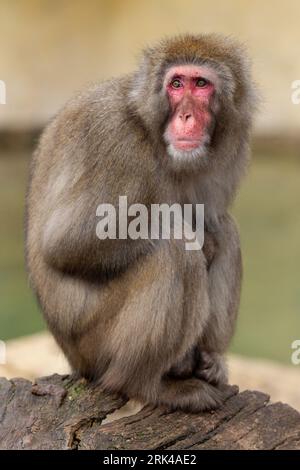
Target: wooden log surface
<point x="59" y="412"/>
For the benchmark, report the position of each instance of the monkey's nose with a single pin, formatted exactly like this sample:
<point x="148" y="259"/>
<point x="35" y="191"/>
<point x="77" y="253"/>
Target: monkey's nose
<point x="185" y="116"/>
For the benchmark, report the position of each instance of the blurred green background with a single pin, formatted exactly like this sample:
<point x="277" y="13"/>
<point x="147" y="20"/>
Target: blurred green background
<point x="49" y="49"/>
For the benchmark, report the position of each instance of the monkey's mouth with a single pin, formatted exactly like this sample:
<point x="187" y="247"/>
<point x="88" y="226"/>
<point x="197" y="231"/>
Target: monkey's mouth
<point x="186" y="144"/>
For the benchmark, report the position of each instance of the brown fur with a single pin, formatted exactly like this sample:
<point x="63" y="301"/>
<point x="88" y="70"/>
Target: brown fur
<point x="144" y="318"/>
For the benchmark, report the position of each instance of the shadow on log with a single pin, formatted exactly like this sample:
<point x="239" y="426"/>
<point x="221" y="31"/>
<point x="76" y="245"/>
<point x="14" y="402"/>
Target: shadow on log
<point x="59" y="412"/>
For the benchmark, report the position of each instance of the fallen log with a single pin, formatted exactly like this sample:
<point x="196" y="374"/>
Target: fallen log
<point x="61" y="412"/>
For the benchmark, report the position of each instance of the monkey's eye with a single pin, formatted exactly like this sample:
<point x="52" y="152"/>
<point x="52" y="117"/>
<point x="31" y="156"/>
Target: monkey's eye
<point x="201" y="82"/>
<point x="176" y="83"/>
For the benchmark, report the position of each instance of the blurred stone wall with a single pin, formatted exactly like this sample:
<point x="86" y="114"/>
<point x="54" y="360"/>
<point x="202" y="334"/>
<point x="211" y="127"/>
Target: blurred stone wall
<point x="49" y="48"/>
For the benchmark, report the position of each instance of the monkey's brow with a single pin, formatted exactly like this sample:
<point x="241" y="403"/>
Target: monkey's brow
<point x="181" y="76"/>
<point x="177" y="75"/>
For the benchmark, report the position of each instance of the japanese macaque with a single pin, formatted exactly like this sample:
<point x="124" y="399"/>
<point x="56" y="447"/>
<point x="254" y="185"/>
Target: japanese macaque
<point x="145" y="318"/>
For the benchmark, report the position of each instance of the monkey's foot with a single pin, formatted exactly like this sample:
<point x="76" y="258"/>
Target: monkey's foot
<point x="212" y="368"/>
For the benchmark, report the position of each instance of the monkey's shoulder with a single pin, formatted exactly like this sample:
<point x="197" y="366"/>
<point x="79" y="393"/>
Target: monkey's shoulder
<point x="94" y="140"/>
<point x="97" y="122"/>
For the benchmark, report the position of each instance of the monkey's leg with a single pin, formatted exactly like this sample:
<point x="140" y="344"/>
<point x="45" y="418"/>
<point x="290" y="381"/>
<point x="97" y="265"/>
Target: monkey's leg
<point x="224" y="281"/>
<point x="185" y="367"/>
<point x="162" y="319"/>
<point x="211" y="367"/>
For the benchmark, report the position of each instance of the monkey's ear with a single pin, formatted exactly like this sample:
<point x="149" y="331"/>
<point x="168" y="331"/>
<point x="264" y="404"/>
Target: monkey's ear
<point x="146" y="80"/>
<point x="146" y="96"/>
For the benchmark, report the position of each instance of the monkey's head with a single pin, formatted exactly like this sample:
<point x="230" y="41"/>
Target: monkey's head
<point x="195" y="97"/>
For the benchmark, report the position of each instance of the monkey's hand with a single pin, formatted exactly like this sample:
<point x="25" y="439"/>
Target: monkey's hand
<point x="210" y="247"/>
<point x="212" y="368"/>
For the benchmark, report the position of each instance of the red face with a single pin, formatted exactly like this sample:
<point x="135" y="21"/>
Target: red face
<point x="190" y="90"/>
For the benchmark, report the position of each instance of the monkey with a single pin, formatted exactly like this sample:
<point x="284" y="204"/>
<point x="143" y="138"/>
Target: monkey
<point x="145" y="318"/>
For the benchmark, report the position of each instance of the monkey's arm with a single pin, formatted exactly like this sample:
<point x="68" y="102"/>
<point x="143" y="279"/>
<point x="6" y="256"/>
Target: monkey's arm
<point x="224" y="278"/>
<point x="209" y="248"/>
<point x="70" y="243"/>
<point x="85" y="163"/>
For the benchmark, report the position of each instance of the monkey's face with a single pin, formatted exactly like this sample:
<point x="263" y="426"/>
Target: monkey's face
<point x="190" y="90"/>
